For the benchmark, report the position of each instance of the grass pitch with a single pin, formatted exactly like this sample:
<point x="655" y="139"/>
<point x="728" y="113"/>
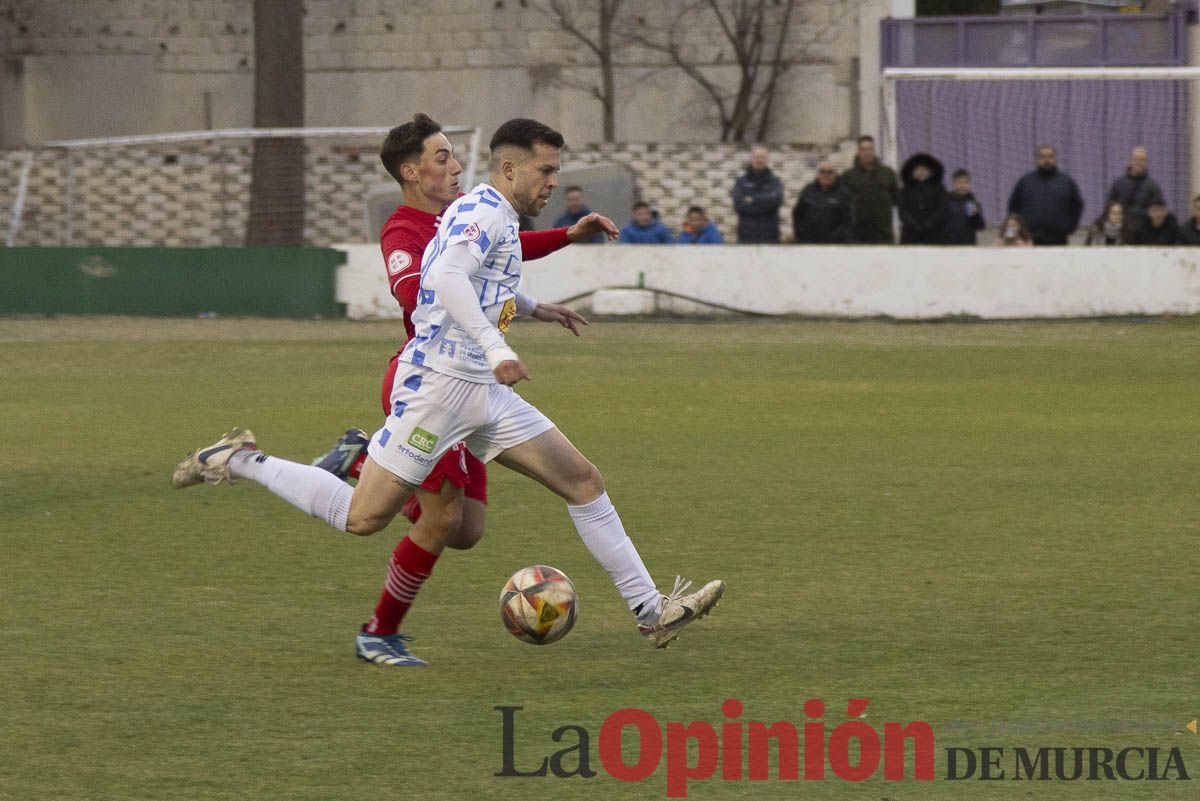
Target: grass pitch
<point x="987" y="523"/>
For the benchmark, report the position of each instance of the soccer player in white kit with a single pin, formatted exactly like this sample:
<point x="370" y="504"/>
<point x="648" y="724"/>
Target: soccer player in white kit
<point x="454" y="384"/>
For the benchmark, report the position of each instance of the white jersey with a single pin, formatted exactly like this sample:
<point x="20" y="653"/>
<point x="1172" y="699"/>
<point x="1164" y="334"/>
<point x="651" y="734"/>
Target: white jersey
<point x="489" y="224"/>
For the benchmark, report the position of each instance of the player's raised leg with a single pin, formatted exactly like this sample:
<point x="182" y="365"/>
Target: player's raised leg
<point x="362" y="510"/>
<point x="236" y="455"/>
<point x="553" y="461"/>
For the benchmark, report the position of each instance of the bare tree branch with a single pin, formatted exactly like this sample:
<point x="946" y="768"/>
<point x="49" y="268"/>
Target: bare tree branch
<point x="565" y="13"/>
<point x="764" y="46"/>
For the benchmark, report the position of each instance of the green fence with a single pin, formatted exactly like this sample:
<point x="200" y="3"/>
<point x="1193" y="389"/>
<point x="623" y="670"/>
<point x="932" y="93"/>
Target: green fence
<point x="259" y="282"/>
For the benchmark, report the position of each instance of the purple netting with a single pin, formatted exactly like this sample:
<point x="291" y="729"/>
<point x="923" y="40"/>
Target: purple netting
<point x="992" y="128"/>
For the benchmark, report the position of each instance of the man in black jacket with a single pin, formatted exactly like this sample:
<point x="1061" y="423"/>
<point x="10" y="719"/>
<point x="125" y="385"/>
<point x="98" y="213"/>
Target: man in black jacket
<point x="757" y="196"/>
<point x="1136" y="191"/>
<point x="824" y="213"/>
<point x="1047" y="200"/>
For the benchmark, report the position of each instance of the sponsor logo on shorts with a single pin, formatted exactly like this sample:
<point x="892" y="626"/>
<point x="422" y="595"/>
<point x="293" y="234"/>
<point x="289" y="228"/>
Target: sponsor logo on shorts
<point x="422" y="440"/>
<point x="416" y="457"/>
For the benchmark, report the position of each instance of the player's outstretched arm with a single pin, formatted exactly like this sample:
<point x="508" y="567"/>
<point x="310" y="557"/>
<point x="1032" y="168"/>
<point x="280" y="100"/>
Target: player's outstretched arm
<point x="590" y="225"/>
<point x="554" y="313"/>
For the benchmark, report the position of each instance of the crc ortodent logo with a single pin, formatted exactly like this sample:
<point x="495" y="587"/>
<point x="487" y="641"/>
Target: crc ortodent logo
<point x="422" y="440"/>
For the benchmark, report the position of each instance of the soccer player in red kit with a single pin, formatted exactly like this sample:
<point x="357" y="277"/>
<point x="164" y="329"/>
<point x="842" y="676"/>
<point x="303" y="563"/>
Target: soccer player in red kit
<point x="448" y="510"/>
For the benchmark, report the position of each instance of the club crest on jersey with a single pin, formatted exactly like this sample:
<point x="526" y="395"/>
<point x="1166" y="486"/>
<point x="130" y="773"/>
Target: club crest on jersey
<point x="472" y="232"/>
<point x="398" y="262"/>
<point x="507" y="313"/>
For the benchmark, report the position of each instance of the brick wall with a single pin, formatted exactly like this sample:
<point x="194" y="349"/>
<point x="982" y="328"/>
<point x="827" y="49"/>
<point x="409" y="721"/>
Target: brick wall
<point x="153" y="60"/>
<point x="198" y="194"/>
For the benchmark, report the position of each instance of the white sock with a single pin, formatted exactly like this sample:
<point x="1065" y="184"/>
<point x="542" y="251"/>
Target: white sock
<point x="310" y="489"/>
<point x="600" y="528"/>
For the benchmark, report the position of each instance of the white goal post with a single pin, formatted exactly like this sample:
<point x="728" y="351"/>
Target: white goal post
<point x="1021" y="99"/>
<point x="202" y="174"/>
<point x="892" y="75"/>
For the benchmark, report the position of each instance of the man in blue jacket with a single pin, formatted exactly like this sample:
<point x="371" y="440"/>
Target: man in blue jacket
<point x="576" y="210"/>
<point x="1047" y="201"/>
<point x="700" y="230"/>
<point x="757" y="196"/>
<point x="643" y="229"/>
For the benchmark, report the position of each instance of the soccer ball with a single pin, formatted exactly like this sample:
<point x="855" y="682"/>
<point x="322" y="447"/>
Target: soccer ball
<point x="538" y="605"/>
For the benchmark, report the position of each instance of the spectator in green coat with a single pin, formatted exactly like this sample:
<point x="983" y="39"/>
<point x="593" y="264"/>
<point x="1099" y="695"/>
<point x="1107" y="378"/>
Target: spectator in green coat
<point x="874" y="188"/>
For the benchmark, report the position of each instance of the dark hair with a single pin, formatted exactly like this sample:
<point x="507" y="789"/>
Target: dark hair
<point x="406" y="143"/>
<point x="641" y="204"/>
<point x="960" y="173"/>
<point x="866" y="138"/>
<point x="525" y="133"/>
<point x="1158" y="202"/>
<point x="1126" y="235"/>
<point x="1023" y="233"/>
<point x="573" y="189"/>
<point x="696" y="210"/>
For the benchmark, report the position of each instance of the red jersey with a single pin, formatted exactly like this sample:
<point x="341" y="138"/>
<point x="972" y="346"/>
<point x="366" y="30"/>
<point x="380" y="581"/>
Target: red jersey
<point x="403" y="240"/>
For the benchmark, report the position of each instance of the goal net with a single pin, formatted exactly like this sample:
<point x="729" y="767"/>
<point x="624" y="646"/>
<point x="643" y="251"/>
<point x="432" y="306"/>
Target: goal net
<point x="989" y="121"/>
<point x="192" y="189"/>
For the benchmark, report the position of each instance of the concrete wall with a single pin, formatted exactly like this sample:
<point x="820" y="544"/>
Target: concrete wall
<point x="115" y="67"/>
<point x="900" y="282"/>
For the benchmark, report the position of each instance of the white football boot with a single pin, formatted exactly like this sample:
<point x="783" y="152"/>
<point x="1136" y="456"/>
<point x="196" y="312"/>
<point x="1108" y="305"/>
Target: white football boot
<point x="211" y="465"/>
<point x="678" y="610"/>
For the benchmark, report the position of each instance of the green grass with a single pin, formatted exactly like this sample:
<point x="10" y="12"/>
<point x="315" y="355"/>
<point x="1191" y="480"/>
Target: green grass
<point x="961" y="522"/>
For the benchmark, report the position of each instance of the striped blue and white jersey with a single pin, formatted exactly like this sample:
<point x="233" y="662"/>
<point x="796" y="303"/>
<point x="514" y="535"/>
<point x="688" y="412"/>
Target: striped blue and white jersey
<point x="489" y="225"/>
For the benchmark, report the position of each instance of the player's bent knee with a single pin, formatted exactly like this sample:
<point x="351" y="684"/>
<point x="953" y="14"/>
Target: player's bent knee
<point x="366" y="525"/>
<point x="588" y="484"/>
<point x="465" y="538"/>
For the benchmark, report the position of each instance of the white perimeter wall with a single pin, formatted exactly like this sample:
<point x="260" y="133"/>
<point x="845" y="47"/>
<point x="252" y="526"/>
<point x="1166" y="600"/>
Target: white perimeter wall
<point x="900" y="282"/>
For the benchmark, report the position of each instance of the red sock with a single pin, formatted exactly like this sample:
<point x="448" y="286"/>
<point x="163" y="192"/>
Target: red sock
<point x="356" y="469"/>
<point x="408" y="568"/>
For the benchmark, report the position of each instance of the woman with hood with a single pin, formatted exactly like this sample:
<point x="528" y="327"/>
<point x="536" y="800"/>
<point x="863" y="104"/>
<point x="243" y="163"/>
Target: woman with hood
<point x="924" y="203"/>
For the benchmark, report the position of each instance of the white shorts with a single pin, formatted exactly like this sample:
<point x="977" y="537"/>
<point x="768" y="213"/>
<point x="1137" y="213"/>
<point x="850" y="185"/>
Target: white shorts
<point x="432" y="411"/>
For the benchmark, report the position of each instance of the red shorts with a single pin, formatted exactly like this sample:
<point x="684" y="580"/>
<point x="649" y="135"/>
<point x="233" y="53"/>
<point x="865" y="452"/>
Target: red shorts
<point x="458" y="465"/>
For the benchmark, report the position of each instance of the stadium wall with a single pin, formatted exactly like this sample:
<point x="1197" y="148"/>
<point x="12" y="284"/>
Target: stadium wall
<point x="92" y="68"/>
<point x="911" y="283"/>
<point x="197" y="194"/>
<point x="258" y="282"/>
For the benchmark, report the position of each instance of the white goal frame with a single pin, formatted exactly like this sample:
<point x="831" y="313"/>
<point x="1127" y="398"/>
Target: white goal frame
<point x="892" y="75"/>
<point x="470" y="165"/>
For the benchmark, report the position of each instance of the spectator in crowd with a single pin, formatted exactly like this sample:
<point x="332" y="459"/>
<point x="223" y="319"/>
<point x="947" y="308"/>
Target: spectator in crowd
<point x="699" y="230"/>
<point x="757" y="196"/>
<point x="576" y="210"/>
<point x="1112" y="228"/>
<point x="1135" y="190"/>
<point x="644" y="228"/>
<point x="824" y="212"/>
<point x="1159" y="228"/>
<point x="1047" y="200"/>
<point x="874" y="188"/>
<point x="966" y="218"/>
<point x="1014" y="234"/>
<point x="924" y="203"/>
<point x="1189" y="232"/>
